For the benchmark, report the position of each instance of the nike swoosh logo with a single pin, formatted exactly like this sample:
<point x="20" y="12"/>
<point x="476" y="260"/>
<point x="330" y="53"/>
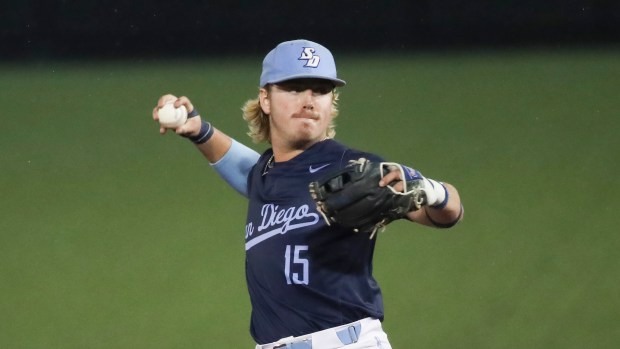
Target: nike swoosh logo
<point x="316" y="169"/>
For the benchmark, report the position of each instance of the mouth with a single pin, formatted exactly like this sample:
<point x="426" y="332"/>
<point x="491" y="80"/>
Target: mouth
<point x="306" y="115"/>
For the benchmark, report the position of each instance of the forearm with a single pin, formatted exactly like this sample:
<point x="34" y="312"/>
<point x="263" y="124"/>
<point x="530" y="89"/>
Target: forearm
<point x="216" y="147"/>
<point x="232" y="160"/>
<point x="443" y="217"/>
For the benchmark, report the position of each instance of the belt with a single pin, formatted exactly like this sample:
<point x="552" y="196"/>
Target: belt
<point x="307" y="344"/>
<point x="347" y="335"/>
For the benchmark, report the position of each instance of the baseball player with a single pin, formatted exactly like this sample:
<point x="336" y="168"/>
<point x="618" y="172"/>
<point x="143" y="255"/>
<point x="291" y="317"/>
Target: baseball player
<point x="310" y="280"/>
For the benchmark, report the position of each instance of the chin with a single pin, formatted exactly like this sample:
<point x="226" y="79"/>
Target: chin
<point x="303" y="141"/>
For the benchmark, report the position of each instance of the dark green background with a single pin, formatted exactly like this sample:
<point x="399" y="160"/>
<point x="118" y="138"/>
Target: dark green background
<point x="112" y="236"/>
<point x="36" y="29"/>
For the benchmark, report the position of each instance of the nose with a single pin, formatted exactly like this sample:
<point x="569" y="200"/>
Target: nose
<point x="308" y="99"/>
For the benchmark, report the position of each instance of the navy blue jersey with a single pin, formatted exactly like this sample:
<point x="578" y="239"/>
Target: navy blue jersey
<point x="303" y="275"/>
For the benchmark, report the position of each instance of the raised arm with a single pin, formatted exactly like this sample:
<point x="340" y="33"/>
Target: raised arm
<point x="231" y="159"/>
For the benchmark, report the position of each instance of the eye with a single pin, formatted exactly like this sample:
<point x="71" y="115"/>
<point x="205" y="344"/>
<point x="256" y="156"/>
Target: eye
<point x="322" y="89"/>
<point x="317" y="88"/>
<point x="292" y="88"/>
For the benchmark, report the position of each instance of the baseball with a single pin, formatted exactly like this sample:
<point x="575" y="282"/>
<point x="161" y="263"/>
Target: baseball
<point x="171" y="117"/>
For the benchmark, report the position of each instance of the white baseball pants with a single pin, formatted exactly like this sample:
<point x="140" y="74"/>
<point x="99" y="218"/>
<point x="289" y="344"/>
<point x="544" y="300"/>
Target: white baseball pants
<point x="364" y="334"/>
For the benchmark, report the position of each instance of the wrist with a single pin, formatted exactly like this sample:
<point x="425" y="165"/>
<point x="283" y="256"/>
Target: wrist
<point x="205" y="133"/>
<point x="436" y="193"/>
<point x="193" y="113"/>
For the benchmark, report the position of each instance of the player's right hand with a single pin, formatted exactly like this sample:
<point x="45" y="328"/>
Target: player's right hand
<point x="191" y="126"/>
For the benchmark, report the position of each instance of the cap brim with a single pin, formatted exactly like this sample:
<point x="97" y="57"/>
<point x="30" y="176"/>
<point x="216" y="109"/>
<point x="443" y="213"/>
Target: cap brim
<point x="337" y="82"/>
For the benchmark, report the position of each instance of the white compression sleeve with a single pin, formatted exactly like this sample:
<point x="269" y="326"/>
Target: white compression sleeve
<point x="234" y="167"/>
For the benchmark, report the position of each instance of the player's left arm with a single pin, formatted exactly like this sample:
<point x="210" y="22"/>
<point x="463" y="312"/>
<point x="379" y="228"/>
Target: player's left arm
<point x="442" y="207"/>
<point x="440" y="217"/>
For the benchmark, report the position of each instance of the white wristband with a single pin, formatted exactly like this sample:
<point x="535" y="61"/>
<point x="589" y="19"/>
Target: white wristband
<point x="436" y="193"/>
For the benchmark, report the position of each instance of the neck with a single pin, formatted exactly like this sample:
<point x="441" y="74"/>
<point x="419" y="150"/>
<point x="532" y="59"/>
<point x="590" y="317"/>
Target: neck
<point x="285" y="152"/>
<point x="281" y="155"/>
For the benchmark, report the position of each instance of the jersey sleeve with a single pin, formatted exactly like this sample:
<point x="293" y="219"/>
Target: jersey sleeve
<point x="234" y="167"/>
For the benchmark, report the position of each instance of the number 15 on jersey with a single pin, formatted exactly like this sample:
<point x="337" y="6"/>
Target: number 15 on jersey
<point x="294" y="260"/>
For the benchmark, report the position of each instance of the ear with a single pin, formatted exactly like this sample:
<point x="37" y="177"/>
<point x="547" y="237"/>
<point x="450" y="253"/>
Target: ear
<point x="263" y="99"/>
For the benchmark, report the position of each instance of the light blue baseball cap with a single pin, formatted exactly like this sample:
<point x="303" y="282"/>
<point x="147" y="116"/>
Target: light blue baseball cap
<point x="299" y="59"/>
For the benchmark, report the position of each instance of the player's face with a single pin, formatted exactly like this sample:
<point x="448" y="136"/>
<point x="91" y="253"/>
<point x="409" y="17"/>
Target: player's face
<point x="300" y="111"/>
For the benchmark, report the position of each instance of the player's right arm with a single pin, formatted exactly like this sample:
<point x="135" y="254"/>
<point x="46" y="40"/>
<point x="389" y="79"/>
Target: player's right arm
<point x="215" y="148"/>
<point x="231" y="159"/>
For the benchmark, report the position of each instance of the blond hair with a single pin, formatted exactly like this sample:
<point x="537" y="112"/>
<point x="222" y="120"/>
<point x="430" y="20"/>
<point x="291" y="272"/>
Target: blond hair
<point x="258" y="121"/>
